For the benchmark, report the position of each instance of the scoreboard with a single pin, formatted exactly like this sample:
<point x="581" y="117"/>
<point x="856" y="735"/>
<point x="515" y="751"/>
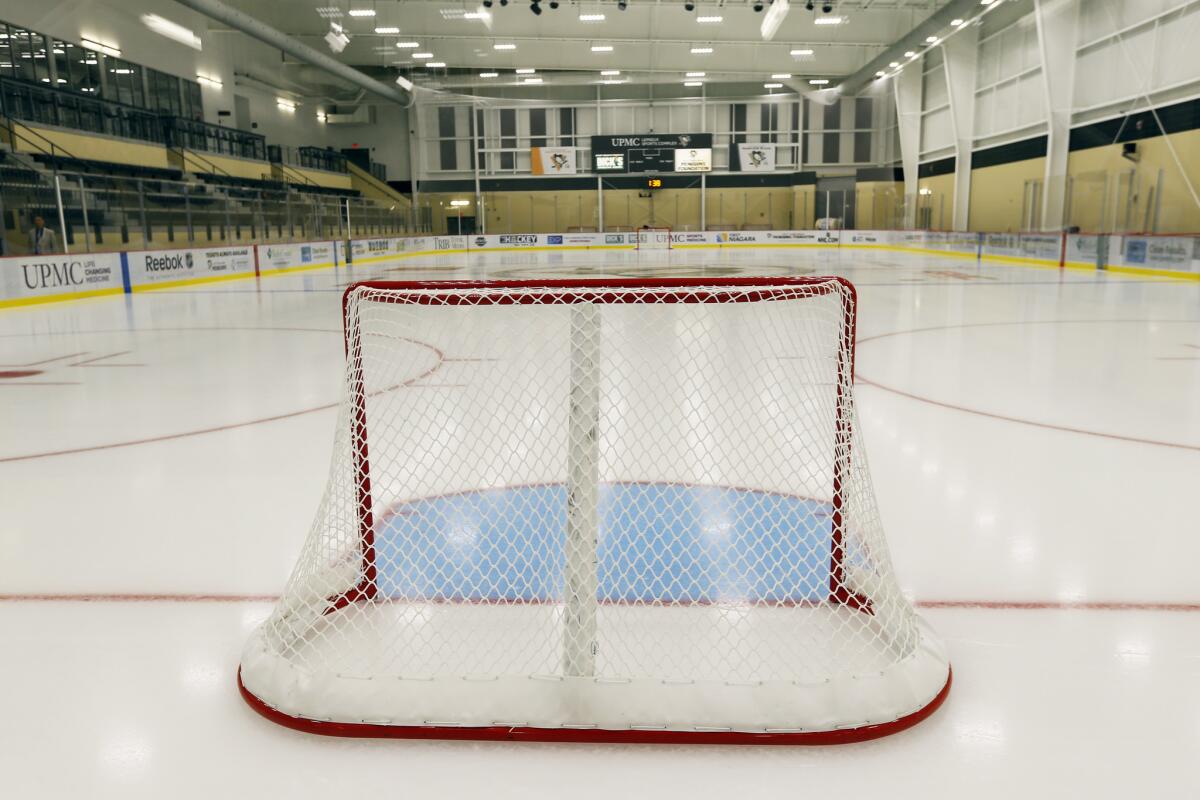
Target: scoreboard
<point x="654" y="152"/>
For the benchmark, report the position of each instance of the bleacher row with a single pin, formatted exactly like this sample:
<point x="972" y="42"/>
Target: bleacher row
<point x="106" y="204"/>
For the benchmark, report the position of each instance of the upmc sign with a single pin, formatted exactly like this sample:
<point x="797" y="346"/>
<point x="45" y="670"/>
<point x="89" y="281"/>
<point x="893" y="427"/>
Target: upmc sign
<point x="650" y="152"/>
<point x="42" y="276"/>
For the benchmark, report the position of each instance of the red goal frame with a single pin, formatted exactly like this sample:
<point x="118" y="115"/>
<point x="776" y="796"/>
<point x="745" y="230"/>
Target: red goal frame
<point x="660" y="290"/>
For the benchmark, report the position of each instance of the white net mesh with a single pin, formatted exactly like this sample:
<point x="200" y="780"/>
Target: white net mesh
<point x="620" y="507"/>
<point x="653" y="238"/>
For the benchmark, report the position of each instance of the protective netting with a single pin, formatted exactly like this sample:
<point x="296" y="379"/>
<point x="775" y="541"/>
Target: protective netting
<point x="618" y="506"/>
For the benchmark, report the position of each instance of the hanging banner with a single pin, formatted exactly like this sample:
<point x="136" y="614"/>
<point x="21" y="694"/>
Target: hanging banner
<point x="553" y="161"/>
<point x="756" y="157"/>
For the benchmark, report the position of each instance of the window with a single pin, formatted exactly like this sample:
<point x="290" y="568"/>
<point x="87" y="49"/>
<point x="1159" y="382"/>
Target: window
<point x="30" y="55"/>
<point x="737" y="123"/>
<point x="833" y="116"/>
<point x="477" y="137"/>
<point x="768" y="121"/>
<point x="123" y="82"/>
<point x="566" y="127"/>
<point x="508" y="138"/>
<point x="164" y="93"/>
<point x="447" y="147"/>
<point x="193" y="105"/>
<point x="537" y="127"/>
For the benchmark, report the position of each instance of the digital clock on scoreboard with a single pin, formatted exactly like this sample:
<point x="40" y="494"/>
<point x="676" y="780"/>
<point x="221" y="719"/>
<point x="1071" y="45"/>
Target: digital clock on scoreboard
<point x="654" y="183"/>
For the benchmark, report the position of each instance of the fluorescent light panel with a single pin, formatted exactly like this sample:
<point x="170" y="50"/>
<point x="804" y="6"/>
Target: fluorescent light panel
<point x="435" y="64"/>
<point x="693" y="83"/>
<point x="387" y="29"/>
<point x="532" y="80"/>
<point x="827" y="20"/>
<point x="526" y="71"/>
<point x="591" y="18"/>
<point x="408" y="45"/>
<point x="207" y="81"/>
<point x="422" y="55"/>
<point x="781" y="76"/>
<point x="710" y="19"/>
<point x="610" y="72"/>
<point x="772" y="85"/>
<point x="362" y="12"/>
<point x="818" y="82"/>
<point x="701" y="51"/>
<point x="171" y="30"/>
<point x="602" y="48"/>
<point x="504" y="47"/>
<point x="803" y="51"/>
<point x="489" y="74"/>
<point x="695" y="75"/>
<point x="107" y="49"/>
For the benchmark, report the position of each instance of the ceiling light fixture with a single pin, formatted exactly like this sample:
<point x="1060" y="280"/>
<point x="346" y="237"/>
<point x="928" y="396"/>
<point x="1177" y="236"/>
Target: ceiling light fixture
<point x="910" y="53"/>
<point x="781" y="76"/>
<point x="171" y="30"/>
<point x="894" y="64"/>
<point x="958" y="23"/>
<point x="337" y="38"/>
<point x="286" y="105"/>
<point x="404" y="83"/>
<point x="408" y="45"/>
<point x="504" y="47"/>
<point x="387" y="29"/>
<point x="693" y="83"/>
<point x="804" y="51"/>
<point x="818" y="82"/>
<point x="526" y="71"/>
<point x="774" y="18"/>
<point x="710" y="19"/>
<point x="827" y="20"/>
<point x="489" y="74"/>
<point x="532" y="80"/>
<point x="435" y="64"/>
<point x="772" y="85"/>
<point x="610" y="72"/>
<point x="207" y="81"/>
<point x="107" y="49"/>
<point x="602" y="48"/>
<point x="701" y="51"/>
<point x="362" y="12"/>
<point x="695" y="75"/>
<point x="422" y="55"/>
<point x="880" y="74"/>
<point x="591" y="18"/>
<point x="612" y="82"/>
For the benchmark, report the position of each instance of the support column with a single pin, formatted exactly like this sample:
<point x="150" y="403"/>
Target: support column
<point x="960" y="55"/>
<point x="1057" y="23"/>
<point x="907" y="86"/>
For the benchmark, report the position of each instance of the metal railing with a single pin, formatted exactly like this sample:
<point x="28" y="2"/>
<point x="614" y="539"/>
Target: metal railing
<point x="202" y="136"/>
<point x="48" y="106"/>
<point x="307" y="157"/>
<point x="104" y="213"/>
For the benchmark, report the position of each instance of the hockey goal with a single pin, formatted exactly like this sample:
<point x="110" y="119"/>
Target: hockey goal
<point x="634" y="511"/>
<point x="651" y="238"/>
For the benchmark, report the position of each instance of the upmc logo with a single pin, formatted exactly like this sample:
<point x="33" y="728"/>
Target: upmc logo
<point x="169" y="263"/>
<point x="53" y="274"/>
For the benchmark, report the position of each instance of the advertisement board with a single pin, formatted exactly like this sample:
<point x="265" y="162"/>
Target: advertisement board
<point x="149" y="268"/>
<point x="32" y="279"/>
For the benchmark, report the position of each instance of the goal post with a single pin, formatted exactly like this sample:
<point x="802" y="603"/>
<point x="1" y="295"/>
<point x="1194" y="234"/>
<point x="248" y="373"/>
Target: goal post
<point x="598" y="510"/>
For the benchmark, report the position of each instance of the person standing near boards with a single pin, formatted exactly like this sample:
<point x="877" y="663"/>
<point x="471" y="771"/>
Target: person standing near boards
<point x="42" y="240"/>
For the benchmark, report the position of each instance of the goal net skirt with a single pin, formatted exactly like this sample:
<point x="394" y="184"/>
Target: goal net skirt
<point x="590" y="511"/>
